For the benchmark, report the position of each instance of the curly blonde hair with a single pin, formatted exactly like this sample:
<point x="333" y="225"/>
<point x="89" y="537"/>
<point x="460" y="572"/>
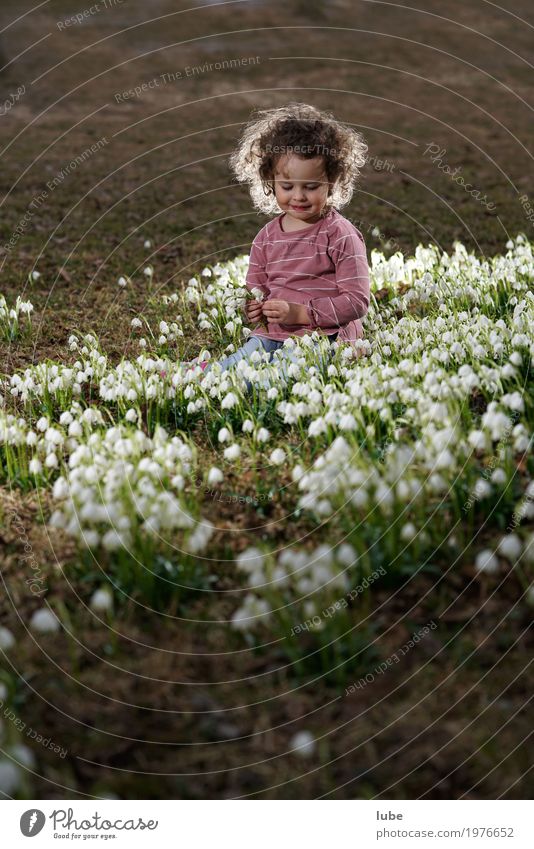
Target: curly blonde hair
<point x="307" y="132"/>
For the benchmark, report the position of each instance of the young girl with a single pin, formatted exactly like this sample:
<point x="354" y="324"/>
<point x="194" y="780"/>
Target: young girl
<point x="309" y="262"/>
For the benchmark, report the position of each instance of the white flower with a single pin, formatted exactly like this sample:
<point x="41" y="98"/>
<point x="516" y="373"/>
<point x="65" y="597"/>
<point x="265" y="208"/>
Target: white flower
<point x="251" y="560"/>
<point x="229" y="401"/>
<point x="136" y="322"/>
<point x="263" y="435"/>
<point x="147" y="244"/>
<point x="224" y="435"/>
<point x="511" y="547"/>
<point x="101" y="601"/>
<point x="317" y="427"/>
<point x="303" y="743"/>
<point x="148" y="271"/>
<point x="23" y="754"/>
<point x="122" y="281"/>
<point x="7" y="640"/>
<point x="44" y="621"/>
<point x="75" y="429"/>
<point x="131" y="415"/>
<point x="35" y="466"/>
<point x="477" y="439"/>
<point x="10" y="777"/>
<point x="232" y="452"/>
<point x="346" y="555"/>
<point x="215" y="476"/>
<point x="408" y="532"/>
<point x="486" y="562"/>
<point x="51" y="461"/>
<point x="278" y="456"/>
<point x="112" y="540"/>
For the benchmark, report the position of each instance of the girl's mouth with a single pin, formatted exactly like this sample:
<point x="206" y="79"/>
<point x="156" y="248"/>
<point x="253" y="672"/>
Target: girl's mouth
<point x="299" y="208"/>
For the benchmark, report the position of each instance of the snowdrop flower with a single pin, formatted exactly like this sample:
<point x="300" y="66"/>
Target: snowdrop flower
<point x="75" y="429"/>
<point x="511" y="547"/>
<point x="317" y="427"/>
<point x="303" y="744"/>
<point x="486" y="562"/>
<point x="215" y="476"/>
<point x="224" y="435"/>
<point x="232" y="452"/>
<point x="147" y="244"/>
<point x="122" y="281"/>
<point x="35" y="466"/>
<point x="51" y="461"/>
<point x="229" y="401"/>
<point x="42" y="424"/>
<point x="131" y="415"/>
<point x="483" y="489"/>
<point x="348" y="422"/>
<point x="101" y="601"/>
<point x="498" y="477"/>
<point x="278" y="456"/>
<point x="7" y="640"/>
<point x="10" y="777"/>
<point x="251" y="559"/>
<point x="44" y="621"/>
<point x="408" y="532"/>
<point x="23" y="754"/>
<point x="263" y="435"/>
<point x="477" y="439"/>
<point x="136" y="322"/>
<point x="148" y="271"/>
<point x="247" y="426"/>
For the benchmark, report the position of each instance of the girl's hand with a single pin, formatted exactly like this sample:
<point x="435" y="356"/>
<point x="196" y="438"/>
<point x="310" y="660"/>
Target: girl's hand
<point x="283" y="312"/>
<point x="253" y="311"/>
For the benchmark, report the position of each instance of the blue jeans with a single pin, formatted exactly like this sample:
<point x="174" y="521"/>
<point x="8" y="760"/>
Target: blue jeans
<point x="261" y="343"/>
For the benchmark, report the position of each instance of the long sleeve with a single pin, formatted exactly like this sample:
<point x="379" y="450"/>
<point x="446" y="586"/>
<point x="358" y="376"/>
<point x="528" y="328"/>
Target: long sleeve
<point x="352" y="281"/>
<point x="256" y="273"/>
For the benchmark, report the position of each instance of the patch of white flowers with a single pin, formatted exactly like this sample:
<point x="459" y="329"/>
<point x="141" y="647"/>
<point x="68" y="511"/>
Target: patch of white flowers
<point x="122" y="486"/>
<point x="11" y="317"/>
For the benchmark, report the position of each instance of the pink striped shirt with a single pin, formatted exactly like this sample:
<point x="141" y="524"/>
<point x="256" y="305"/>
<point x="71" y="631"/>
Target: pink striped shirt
<point x="323" y="266"/>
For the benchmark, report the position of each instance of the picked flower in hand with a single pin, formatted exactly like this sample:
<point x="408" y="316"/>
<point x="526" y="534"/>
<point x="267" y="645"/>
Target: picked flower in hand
<point x="256" y="296"/>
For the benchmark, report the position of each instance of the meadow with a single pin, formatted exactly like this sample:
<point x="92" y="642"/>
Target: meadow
<point x="408" y="457"/>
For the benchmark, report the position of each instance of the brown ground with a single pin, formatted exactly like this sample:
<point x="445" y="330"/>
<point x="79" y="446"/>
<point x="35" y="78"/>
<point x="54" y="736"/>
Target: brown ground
<point x="452" y="721"/>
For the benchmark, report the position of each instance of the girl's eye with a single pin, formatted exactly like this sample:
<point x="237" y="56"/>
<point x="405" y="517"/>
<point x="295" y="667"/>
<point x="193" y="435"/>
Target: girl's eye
<point x="310" y="188"/>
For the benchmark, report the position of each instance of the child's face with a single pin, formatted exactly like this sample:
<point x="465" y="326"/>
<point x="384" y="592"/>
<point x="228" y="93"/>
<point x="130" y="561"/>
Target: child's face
<point x="301" y="186"/>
